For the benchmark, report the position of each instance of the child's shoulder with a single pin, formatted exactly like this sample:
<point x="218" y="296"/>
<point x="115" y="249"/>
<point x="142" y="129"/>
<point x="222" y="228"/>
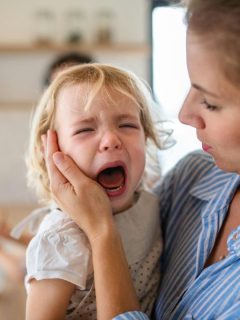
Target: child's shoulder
<point x="56" y="232"/>
<point x="53" y="219"/>
<point x="57" y="221"/>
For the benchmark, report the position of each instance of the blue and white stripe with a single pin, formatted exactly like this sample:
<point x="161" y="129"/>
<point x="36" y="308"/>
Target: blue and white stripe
<point x="194" y="200"/>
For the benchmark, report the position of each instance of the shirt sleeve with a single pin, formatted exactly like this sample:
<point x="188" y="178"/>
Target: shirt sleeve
<point x="133" y="315"/>
<point x="61" y="255"/>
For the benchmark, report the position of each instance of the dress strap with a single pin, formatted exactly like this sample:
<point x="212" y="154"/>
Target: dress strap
<point x="32" y="221"/>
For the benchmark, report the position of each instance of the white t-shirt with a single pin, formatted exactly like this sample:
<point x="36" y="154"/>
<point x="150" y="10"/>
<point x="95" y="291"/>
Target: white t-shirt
<point x="61" y="250"/>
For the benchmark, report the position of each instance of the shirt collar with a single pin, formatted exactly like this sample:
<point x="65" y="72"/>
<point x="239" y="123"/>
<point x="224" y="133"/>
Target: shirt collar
<point x="215" y="183"/>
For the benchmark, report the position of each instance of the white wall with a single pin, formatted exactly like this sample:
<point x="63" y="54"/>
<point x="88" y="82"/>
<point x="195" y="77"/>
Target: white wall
<point x="13" y="142"/>
<point x="22" y="74"/>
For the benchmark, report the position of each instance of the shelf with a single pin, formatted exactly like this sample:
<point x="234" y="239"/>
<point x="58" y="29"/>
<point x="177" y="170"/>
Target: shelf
<point x="10" y="104"/>
<point x="84" y="48"/>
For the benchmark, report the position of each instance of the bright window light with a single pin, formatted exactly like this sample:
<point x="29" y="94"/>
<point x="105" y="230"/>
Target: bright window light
<point x="170" y="78"/>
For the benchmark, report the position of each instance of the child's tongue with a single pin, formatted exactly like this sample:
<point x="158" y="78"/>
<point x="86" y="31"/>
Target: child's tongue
<point x="111" y="178"/>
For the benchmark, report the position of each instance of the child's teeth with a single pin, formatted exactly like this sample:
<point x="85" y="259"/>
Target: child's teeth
<point x="115" y="189"/>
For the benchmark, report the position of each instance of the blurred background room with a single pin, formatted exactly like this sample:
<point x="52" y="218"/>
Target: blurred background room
<point x="137" y="35"/>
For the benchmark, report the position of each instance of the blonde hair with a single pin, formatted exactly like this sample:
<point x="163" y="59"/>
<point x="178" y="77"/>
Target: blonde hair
<point x="98" y="76"/>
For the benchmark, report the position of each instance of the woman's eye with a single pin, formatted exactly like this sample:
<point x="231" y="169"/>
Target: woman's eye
<point x="209" y="106"/>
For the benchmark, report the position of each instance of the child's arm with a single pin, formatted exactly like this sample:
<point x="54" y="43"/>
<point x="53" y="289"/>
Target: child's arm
<point x="48" y="299"/>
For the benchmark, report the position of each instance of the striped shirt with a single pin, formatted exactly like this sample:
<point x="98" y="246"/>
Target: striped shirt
<point x="194" y="200"/>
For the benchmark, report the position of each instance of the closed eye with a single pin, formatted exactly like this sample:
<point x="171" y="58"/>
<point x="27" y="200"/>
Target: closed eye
<point x="209" y="106"/>
<point x="83" y="130"/>
<point x="129" y="125"/>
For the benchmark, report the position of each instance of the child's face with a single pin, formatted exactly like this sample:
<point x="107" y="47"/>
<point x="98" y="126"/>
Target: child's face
<point x="107" y="141"/>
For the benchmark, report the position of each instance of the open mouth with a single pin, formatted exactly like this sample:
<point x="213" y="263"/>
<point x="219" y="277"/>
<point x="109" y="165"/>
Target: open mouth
<point x="112" y="180"/>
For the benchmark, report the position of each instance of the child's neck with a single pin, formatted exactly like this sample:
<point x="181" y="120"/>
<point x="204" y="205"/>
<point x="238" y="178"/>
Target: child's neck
<point x="134" y="200"/>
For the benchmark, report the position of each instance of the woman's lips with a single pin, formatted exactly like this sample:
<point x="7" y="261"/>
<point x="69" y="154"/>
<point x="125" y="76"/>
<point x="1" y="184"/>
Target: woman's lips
<point x="206" y="147"/>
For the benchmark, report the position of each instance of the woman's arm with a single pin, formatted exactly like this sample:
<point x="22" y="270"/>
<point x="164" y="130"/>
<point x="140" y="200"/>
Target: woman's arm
<point x="115" y="293"/>
<point x="48" y="299"/>
<point x="88" y="205"/>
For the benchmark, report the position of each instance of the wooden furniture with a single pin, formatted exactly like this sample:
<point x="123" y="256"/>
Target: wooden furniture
<point x="13" y="293"/>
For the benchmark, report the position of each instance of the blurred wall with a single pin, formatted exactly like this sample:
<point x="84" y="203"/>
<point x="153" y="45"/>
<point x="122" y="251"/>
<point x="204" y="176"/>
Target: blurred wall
<point x="18" y="19"/>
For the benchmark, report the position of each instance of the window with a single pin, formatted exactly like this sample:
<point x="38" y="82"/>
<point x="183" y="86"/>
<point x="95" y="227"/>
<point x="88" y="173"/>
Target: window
<point x="170" y="80"/>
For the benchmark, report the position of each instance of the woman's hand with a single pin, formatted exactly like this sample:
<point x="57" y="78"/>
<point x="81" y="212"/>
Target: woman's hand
<point x="81" y="197"/>
<point x="88" y="205"/>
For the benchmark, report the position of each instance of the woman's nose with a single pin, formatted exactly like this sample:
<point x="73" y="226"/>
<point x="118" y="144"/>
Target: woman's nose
<point x="190" y="113"/>
<point x="110" y="141"/>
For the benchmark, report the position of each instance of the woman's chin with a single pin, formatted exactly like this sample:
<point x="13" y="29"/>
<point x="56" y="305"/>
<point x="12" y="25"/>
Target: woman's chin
<point x="227" y="166"/>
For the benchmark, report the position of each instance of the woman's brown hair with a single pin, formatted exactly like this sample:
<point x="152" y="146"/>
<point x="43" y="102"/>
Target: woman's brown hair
<point x="219" y="21"/>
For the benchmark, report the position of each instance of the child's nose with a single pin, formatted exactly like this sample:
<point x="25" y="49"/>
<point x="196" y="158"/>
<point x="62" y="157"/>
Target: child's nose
<point x="110" y="141"/>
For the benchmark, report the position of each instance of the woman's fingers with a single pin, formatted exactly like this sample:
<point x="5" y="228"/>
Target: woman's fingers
<point x="69" y="170"/>
<point x="82" y="198"/>
<point x="50" y="145"/>
<point x="76" y="194"/>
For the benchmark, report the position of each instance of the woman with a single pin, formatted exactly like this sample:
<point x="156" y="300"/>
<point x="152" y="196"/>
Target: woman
<point x="199" y="198"/>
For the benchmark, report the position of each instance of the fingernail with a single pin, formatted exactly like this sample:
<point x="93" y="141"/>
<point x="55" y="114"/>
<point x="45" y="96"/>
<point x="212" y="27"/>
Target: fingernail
<point x="58" y="157"/>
